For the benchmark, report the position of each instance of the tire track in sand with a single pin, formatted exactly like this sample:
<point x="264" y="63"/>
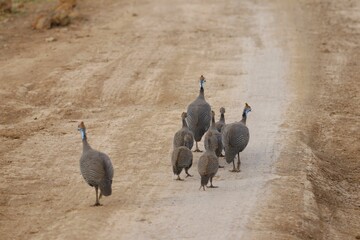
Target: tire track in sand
<point x="147" y="86"/>
<point x="165" y="208"/>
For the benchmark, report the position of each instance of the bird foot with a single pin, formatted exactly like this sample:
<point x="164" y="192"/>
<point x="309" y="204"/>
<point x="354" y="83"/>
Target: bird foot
<point x="179" y="179"/>
<point x="197" y="150"/>
<point x="222" y="155"/>
<point x="97" y="205"/>
<point x="221" y="166"/>
<point x="189" y="175"/>
<point x="212" y="186"/>
<point x="235" y="170"/>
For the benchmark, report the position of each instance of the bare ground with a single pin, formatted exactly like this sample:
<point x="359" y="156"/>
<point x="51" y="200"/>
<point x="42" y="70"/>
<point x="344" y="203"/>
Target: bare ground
<point x="129" y="70"/>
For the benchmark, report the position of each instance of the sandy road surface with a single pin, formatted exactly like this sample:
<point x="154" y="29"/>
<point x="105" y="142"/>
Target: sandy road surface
<point x="128" y="72"/>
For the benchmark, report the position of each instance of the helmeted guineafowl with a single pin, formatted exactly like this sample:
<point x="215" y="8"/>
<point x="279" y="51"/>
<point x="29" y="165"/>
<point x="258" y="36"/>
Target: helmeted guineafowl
<point x="213" y="137"/>
<point x="208" y="166"/>
<point x="199" y="115"/>
<point x="179" y="136"/>
<point x="235" y="137"/>
<point x="95" y="167"/>
<point x="182" y="158"/>
<point x="219" y="124"/>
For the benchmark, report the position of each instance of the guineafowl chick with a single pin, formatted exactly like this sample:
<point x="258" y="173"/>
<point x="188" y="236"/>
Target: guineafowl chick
<point x="182" y="158"/>
<point x="95" y="167"/>
<point x="221" y="123"/>
<point x="219" y="126"/>
<point x="199" y="115"/>
<point x="179" y="136"/>
<point x="213" y="136"/>
<point x="235" y="138"/>
<point x="208" y="166"/>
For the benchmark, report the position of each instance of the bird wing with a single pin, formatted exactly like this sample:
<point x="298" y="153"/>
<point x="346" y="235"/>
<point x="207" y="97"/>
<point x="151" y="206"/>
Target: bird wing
<point x="203" y="164"/>
<point x="107" y="166"/>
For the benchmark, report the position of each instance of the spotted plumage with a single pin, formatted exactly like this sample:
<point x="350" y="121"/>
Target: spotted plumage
<point x="235" y="137"/>
<point x="182" y="158"/>
<point x="96" y="168"/>
<point x="208" y="166"/>
<point x="221" y="123"/>
<point x="199" y="115"/>
<point x="183" y="137"/>
<point x="213" y="137"/>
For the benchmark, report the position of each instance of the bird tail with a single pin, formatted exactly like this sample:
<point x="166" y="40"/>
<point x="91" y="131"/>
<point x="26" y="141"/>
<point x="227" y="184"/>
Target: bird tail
<point x="176" y="170"/>
<point x="204" y="180"/>
<point x="105" y="187"/>
<point x="229" y="154"/>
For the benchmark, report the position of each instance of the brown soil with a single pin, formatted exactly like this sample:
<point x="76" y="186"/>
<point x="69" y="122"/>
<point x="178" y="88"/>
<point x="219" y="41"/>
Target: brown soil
<point x="129" y="70"/>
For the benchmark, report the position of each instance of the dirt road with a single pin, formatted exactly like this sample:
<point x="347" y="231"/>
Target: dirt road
<point x="129" y="70"/>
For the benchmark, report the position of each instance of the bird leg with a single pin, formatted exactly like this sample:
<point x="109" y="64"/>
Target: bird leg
<point x="197" y="148"/>
<point x="234" y="169"/>
<point x="211" y="185"/>
<point x="187" y="174"/>
<point x="97" y="203"/>
<point x="238" y="163"/>
<point x="179" y="179"/>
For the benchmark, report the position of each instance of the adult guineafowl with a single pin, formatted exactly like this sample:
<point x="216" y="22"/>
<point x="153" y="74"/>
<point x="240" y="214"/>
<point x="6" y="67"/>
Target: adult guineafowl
<point x="182" y="158"/>
<point x="208" y="166"/>
<point x="219" y="124"/>
<point x="95" y="167"/>
<point x="199" y="115"/>
<point x="213" y="137"/>
<point x="184" y="134"/>
<point x="235" y="137"/>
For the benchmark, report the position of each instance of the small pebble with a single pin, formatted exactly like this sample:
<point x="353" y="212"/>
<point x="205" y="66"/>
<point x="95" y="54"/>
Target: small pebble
<point x="50" y="39"/>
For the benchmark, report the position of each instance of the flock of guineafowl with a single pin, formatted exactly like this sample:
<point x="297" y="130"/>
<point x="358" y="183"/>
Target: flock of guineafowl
<point x="97" y="169"/>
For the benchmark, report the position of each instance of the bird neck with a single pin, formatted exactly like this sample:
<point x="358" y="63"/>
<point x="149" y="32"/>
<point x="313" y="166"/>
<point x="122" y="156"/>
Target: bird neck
<point x="84" y="139"/>
<point x="83" y="133"/>
<point x="244" y="117"/>
<point x="86" y="145"/>
<point x="201" y="94"/>
<point x="222" y="118"/>
<point x="213" y="122"/>
<point x="184" y="124"/>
